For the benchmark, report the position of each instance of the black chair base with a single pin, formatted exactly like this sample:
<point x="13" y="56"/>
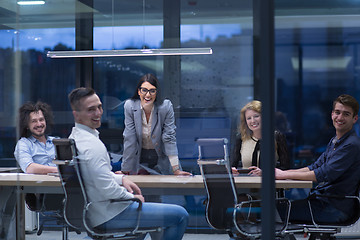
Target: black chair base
<point x="321" y="236"/>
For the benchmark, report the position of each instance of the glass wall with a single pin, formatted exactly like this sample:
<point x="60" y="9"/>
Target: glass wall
<point x="207" y="91"/>
<point x="316" y="59"/>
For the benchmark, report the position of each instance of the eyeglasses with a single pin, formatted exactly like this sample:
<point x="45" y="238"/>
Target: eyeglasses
<point x="145" y="91"/>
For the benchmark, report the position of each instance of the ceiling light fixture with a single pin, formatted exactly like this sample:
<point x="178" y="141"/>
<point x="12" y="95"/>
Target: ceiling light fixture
<point x="130" y="52"/>
<point x="30" y="3"/>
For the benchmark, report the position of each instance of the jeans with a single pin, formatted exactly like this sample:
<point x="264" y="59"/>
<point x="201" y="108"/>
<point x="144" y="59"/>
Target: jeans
<point x="323" y="212"/>
<point x="172" y="218"/>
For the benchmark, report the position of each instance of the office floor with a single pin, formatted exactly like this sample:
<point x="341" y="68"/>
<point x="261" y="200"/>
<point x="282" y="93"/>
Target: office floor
<point x="56" y="235"/>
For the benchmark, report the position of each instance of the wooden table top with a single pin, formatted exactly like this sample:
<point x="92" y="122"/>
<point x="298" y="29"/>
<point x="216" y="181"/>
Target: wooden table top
<point x="171" y="181"/>
<point x="148" y="181"/>
<point x="9" y="169"/>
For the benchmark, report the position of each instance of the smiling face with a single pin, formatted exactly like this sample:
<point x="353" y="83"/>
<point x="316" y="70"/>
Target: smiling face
<point x="147" y="99"/>
<point x="90" y="112"/>
<point x="343" y="119"/>
<point x="253" y="121"/>
<point x="37" y="124"/>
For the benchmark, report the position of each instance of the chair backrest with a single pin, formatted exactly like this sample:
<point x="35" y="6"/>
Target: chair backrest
<point x="219" y="182"/>
<point x="65" y="150"/>
<point x="356" y="213"/>
<point x="69" y="175"/>
<point x="212" y="148"/>
<point x="49" y="202"/>
<point x="76" y="200"/>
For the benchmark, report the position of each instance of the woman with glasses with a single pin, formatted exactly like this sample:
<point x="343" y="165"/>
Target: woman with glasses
<point x="247" y="147"/>
<point x="149" y="135"/>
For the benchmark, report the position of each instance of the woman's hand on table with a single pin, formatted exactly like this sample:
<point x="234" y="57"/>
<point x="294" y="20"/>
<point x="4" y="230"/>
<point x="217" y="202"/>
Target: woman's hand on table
<point x="255" y="171"/>
<point x="182" y="173"/>
<point x="234" y="170"/>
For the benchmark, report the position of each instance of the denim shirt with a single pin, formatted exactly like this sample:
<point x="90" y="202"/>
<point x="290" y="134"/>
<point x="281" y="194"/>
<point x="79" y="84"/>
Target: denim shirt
<point x="337" y="170"/>
<point x="30" y="150"/>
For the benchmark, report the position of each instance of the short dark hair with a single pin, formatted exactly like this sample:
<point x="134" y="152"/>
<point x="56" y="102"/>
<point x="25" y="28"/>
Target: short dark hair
<point x="349" y="101"/>
<point x="152" y="79"/>
<point x="77" y="94"/>
<point x="24" y="117"/>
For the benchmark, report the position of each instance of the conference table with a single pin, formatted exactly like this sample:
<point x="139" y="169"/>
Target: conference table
<point x="150" y="184"/>
<point x="154" y="184"/>
<point x="9" y="169"/>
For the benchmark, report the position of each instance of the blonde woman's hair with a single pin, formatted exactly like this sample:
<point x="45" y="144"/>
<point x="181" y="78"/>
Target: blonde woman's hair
<point x="243" y="129"/>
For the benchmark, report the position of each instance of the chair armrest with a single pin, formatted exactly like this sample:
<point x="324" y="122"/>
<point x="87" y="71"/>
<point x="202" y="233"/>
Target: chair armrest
<point x="314" y="195"/>
<point x="130" y="199"/>
<point x="125" y="200"/>
<point x="247" y="215"/>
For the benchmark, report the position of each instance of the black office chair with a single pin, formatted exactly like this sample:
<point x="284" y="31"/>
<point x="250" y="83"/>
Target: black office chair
<point x="324" y="230"/>
<point x="49" y="206"/>
<point x="238" y="214"/>
<point x="76" y="201"/>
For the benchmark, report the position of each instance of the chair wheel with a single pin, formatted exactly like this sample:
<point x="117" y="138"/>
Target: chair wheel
<point x="327" y="237"/>
<point x="39" y="231"/>
<point x="312" y="237"/>
<point x="288" y="237"/>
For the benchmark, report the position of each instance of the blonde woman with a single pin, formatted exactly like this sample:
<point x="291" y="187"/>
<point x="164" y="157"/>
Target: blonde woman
<point x="247" y="148"/>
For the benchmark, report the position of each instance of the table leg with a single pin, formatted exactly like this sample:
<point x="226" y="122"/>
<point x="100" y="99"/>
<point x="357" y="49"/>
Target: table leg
<point x="20" y="217"/>
<point x="7" y="213"/>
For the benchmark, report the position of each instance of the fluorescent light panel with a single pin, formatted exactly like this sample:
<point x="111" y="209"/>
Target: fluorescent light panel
<point x="31" y="2"/>
<point x="322" y="64"/>
<point x="129" y="52"/>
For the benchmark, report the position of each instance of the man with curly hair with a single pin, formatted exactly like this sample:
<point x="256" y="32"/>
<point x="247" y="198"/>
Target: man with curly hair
<point x="35" y="151"/>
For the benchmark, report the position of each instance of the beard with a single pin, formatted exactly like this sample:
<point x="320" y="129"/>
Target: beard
<point x="38" y="135"/>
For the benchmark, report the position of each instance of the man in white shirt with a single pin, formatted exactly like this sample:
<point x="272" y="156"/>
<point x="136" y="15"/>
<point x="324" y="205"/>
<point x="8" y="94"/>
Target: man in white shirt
<point x="102" y="184"/>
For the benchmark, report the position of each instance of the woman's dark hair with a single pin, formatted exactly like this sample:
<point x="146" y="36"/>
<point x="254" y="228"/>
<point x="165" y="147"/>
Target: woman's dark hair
<point x="24" y="117"/>
<point x="150" y="78"/>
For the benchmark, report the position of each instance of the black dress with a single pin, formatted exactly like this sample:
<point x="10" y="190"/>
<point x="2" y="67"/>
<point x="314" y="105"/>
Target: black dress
<point x="281" y="148"/>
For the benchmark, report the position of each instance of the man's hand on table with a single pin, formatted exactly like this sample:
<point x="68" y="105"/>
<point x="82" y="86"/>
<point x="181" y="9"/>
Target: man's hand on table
<point x="279" y="174"/>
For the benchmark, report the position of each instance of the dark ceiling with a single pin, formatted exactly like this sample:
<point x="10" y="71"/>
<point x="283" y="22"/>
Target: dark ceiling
<point x="61" y="13"/>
